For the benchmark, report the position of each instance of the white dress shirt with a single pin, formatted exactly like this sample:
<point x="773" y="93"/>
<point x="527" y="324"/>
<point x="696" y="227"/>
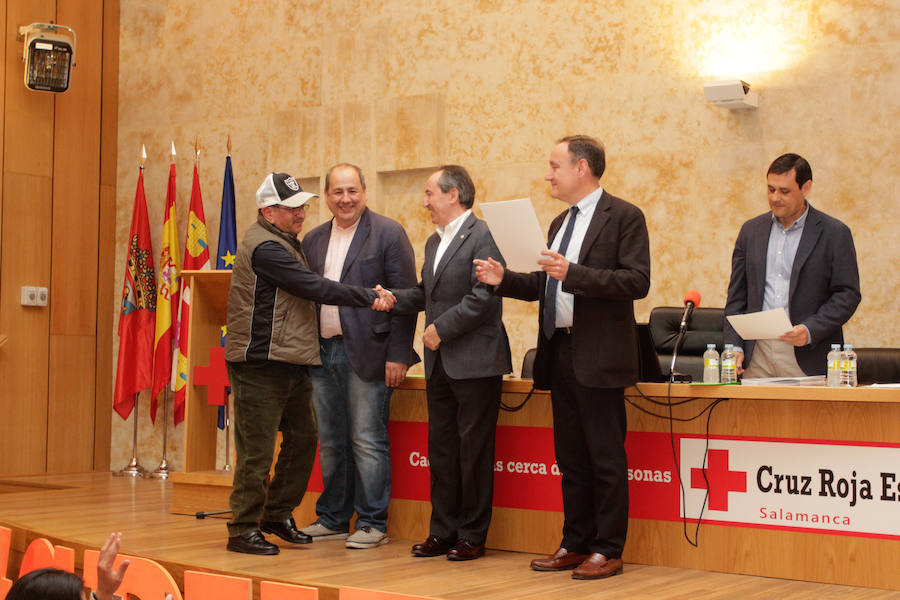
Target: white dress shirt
<point x="565" y="302"/>
<point x="446" y="234"/>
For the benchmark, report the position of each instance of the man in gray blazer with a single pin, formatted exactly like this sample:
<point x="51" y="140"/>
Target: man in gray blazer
<point x="798" y="258"/>
<point x="466" y="356"/>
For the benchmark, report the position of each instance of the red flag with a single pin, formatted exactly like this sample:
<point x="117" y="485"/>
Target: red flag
<point x="166" y="297"/>
<point x="196" y="256"/>
<point x="138" y="314"/>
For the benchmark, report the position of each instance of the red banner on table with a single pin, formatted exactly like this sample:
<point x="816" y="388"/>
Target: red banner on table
<point x="816" y="486"/>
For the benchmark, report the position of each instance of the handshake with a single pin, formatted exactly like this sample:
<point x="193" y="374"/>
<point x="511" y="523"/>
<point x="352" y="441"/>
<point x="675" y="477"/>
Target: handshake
<point x="385" y="301"/>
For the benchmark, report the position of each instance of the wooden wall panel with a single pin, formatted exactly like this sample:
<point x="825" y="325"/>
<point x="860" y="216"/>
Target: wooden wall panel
<point x="107" y="301"/>
<point x="23" y="360"/>
<point x="73" y="286"/>
<point x="2" y="121"/>
<point x="29" y="115"/>
<point x="107" y="298"/>
<point x="51" y="218"/>
<point x="70" y="411"/>
<point x="109" y="117"/>
<point x="27" y="195"/>
<point x="76" y="172"/>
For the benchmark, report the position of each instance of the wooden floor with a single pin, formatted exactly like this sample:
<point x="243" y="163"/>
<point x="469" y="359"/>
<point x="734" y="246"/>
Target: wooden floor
<point x="80" y="510"/>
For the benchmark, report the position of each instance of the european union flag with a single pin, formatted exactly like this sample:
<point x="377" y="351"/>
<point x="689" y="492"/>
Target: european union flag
<point x="227" y="231"/>
<point x="227" y="243"/>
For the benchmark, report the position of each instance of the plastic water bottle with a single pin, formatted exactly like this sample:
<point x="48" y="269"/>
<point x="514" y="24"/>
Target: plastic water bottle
<point x="710" y="364"/>
<point x="833" y="378"/>
<point x="848" y="367"/>
<point x="729" y="364"/>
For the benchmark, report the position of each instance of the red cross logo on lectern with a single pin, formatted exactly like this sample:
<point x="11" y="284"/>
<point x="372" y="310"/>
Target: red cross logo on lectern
<point x="215" y="376"/>
<point x="721" y="480"/>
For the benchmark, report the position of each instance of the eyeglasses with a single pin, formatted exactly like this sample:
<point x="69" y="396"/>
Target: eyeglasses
<point x="295" y="210"/>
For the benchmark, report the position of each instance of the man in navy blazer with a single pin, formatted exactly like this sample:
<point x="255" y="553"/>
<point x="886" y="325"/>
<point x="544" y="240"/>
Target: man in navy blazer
<point x="364" y="356"/>
<point x="798" y="258"/>
<point x="598" y="264"/>
<point x="466" y="356"/>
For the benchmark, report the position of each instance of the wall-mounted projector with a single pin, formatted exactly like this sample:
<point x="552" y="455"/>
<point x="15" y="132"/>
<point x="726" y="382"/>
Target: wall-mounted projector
<point x="49" y="56"/>
<point x="734" y="94"/>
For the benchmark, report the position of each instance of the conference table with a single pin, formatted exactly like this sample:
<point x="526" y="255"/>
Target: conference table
<point x="797" y="482"/>
<point x="803" y="482"/>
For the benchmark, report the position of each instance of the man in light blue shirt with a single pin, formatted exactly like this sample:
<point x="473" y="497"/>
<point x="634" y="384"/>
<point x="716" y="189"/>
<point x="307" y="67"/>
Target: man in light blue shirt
<point x="797" y="258"/>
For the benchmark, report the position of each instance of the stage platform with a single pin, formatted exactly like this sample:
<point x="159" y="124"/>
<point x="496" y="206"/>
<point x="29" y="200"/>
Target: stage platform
<point x="79" y="511"/>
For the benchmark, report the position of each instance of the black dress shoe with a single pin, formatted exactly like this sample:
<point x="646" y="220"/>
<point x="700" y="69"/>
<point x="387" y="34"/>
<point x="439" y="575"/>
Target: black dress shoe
<point x="286" y="530"/>
<point x="465" y="550"/>
<point x="433" y="546"/>
<point x="251" y="543"/>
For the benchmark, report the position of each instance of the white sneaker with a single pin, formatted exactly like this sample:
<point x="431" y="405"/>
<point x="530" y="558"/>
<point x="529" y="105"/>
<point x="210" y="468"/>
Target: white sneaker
<point x="320" y="532"/>
<point x="366" y="537"/>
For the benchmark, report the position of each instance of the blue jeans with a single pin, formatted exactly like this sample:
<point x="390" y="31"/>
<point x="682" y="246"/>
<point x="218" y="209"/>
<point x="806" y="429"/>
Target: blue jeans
<point x="353" y="442"/>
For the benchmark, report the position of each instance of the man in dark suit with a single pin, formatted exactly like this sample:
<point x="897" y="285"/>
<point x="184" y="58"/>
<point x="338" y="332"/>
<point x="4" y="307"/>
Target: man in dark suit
<point x="364" y="356"/>
<point x="798" y="258"/>
<point x="466" y="356"/>
<point x="597" y="265"/>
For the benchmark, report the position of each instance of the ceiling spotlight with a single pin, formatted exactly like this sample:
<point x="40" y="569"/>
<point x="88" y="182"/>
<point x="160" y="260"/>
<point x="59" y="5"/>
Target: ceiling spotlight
<point x="49" y="56"/>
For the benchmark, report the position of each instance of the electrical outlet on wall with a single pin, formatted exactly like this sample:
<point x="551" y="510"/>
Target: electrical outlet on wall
<point x="34" y="296"/>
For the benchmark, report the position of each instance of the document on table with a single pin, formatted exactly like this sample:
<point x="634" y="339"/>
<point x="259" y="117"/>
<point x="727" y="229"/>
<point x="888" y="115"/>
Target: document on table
<point x="515" y="228"/>
<point x="817" y="380"/>
<point x="765" y="325"/>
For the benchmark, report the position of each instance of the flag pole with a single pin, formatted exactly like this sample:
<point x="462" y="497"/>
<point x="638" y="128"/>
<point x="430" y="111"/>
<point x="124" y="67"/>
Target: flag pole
<point x="227" y="466"/>
<point x="133" y="468"/>
<point x="227" y="407"/>
<point x="162" y="471"/>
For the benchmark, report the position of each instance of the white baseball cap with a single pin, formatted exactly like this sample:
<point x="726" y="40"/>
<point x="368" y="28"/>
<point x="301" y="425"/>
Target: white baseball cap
<point x="280" y="189"/>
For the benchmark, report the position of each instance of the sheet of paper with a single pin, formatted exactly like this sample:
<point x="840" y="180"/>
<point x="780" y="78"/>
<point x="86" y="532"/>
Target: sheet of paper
<point x="515" y="228"/>
<point x="814" y="380"/>
<point x="765" y="325"/>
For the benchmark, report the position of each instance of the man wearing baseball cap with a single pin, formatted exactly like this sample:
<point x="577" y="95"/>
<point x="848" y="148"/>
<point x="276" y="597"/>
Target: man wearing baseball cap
<point x="273" y="335"/>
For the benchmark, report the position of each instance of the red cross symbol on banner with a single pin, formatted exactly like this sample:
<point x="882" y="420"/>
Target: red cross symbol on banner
<point x="214" y="376"/>
<point x="721" y="480"/>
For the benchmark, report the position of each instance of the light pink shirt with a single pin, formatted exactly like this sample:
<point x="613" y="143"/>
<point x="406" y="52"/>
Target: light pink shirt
<point x="338" y="245"/>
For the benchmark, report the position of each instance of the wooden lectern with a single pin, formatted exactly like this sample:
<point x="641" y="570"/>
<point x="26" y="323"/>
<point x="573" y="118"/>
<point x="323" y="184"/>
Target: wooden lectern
<point x="209" y="301"/>
<point x="200" y="486"/>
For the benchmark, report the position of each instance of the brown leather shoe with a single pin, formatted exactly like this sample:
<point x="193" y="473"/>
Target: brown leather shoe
<point x="433" y="546"/>
<point x="561" y="560"/>
<point x="598" y="566"/>
<point x="464" y="550"/>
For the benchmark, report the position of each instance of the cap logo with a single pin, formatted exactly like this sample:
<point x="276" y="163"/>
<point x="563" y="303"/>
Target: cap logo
<point x="292" y="184"/>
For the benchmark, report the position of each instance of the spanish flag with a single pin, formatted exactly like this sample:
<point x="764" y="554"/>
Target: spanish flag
<point x="166" y="297"/>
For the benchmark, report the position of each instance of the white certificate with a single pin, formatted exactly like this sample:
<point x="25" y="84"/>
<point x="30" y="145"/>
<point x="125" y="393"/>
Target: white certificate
<point x="765" y="325"/>
<point x="515" y="228"/>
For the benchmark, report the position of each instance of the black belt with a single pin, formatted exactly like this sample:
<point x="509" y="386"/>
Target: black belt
<point x="335" y="337"/>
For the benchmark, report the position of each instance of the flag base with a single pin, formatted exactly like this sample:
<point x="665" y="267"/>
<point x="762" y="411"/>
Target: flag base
<point x="132" y="469"/>
<point x="161" y="472"/>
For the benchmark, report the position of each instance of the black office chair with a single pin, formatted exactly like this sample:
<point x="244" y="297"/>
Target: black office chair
<point x="705" y="328"/>
<point x="877" y="365"/>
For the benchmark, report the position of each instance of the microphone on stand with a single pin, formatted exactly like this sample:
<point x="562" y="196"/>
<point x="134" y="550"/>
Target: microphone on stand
<point x="691" y="301"/>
